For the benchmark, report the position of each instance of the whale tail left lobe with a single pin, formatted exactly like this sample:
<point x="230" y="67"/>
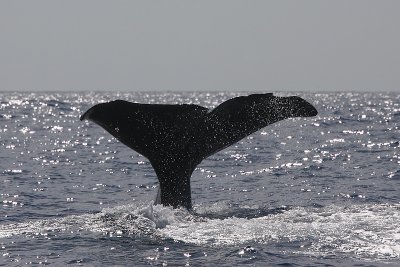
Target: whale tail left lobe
<point x="164" y="134"/>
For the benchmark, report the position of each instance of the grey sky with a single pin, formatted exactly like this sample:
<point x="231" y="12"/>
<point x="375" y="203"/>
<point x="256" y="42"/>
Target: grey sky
<point x="200" y="45"/>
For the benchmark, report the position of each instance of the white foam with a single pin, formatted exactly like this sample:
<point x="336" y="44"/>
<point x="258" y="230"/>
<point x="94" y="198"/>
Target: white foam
<point x="371" y="231"/>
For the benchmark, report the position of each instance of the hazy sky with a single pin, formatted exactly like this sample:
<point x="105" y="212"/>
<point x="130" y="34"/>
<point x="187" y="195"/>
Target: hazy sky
<point x="263" y="45"/>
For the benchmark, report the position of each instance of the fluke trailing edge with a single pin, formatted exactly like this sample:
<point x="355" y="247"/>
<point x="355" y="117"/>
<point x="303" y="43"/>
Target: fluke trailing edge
<point x="176" y="138"/>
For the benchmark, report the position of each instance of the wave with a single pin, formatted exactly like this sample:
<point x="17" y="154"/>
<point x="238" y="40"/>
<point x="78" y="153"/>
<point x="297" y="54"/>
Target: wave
<point x="366" y="231"/>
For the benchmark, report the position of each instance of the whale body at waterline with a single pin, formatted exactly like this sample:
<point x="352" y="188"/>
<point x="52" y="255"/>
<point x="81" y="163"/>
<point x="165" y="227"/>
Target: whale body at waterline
<point x="176" y="138"/>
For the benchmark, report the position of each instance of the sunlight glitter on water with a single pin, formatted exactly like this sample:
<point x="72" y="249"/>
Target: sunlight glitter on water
<point x="338" y="173"/>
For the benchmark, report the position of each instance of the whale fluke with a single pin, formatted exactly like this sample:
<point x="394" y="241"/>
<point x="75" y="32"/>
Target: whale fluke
<point x="176" y="138"/>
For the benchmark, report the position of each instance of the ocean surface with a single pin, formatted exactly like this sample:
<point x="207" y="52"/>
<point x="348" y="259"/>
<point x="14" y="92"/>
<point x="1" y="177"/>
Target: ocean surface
<point x="321" y="191"/>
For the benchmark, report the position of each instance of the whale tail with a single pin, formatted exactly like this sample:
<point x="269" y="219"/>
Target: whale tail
<point x="176" y="138"/>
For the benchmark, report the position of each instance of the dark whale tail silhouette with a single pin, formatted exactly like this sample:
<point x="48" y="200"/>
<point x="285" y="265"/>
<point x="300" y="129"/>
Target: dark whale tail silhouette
<point x="176" y="138"/>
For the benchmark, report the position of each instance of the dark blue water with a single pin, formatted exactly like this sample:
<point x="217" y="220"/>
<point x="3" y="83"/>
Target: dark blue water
<point x="316" y="191"/>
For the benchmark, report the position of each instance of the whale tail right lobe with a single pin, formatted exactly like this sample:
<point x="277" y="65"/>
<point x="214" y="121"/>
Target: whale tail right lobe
<point x="239" y="117"/>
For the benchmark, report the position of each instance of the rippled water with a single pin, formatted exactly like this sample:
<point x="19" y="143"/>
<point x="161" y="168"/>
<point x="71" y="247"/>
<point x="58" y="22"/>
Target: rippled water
<point x="315" y="191"/>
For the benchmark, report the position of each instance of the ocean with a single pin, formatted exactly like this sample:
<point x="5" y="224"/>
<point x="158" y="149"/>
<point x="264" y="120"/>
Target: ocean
<point x="320" y="191"/>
